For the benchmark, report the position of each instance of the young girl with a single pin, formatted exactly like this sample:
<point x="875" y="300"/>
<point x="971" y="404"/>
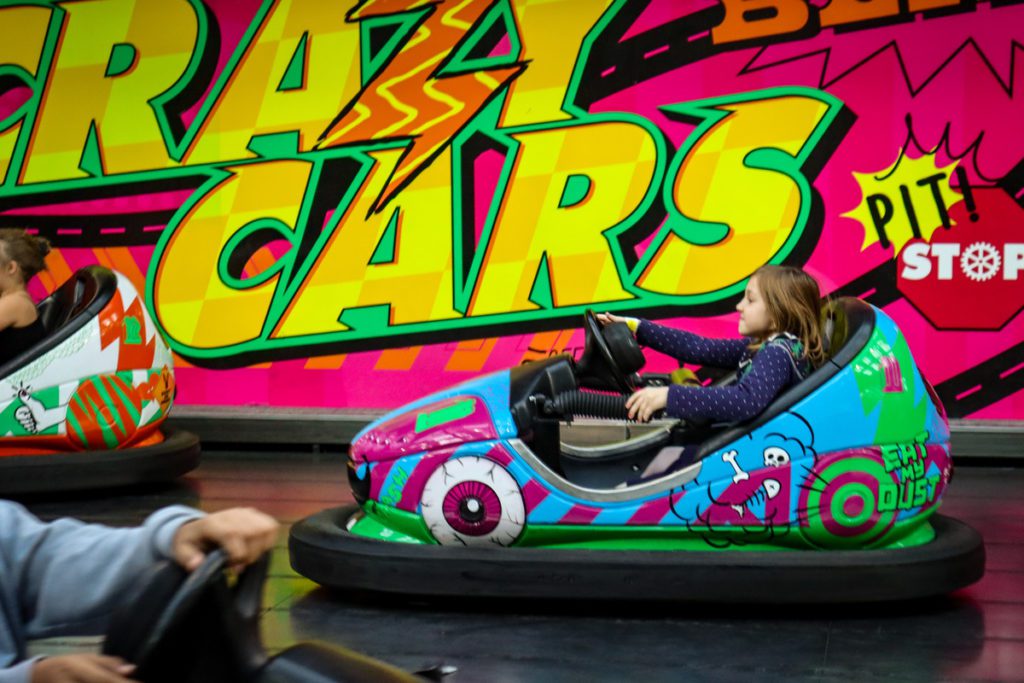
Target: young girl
<point x="779" y="318"/>
<point x="21" y="257"/>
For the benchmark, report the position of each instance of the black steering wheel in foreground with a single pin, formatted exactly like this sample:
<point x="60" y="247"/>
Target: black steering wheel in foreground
<point x="178" y="627"/>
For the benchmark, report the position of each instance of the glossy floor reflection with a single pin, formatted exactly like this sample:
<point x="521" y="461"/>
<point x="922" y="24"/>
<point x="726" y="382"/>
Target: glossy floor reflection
<point x="974" y="635"/>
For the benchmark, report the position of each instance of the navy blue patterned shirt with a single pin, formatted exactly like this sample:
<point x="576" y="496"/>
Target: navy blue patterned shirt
<point x="763" y="374"/>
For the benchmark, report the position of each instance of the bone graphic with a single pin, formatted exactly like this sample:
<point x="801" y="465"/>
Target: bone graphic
<point x="730" y="458"/>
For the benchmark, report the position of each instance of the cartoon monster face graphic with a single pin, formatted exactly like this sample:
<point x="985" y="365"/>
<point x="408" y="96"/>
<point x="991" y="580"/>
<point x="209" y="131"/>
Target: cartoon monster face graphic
<point x="751" y="485"/>
<point x="760" y="498"/>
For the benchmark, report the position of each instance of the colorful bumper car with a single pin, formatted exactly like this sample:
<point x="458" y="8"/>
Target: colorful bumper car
<point x="83" y="408"/>
<point x="828" y="496"/>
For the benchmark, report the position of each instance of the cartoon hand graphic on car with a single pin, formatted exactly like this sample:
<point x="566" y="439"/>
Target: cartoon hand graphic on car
<point x="33" y="416"/>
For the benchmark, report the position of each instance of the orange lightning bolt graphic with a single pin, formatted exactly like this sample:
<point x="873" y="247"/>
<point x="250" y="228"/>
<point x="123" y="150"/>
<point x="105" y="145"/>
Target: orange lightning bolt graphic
<point x="408" y="99"/>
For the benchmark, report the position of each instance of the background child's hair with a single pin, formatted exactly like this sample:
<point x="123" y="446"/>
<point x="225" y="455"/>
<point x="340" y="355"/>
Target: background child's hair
<point x="793" y="301"/>
<point x="28" y="251"/>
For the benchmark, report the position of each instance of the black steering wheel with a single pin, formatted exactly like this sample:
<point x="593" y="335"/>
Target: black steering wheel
<point x="175" y="625"/>
<point x="178" y="627"/>
<point x="610" y="356"/>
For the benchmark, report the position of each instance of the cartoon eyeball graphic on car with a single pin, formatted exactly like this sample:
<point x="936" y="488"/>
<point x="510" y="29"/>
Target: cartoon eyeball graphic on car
<point x="473" y="501"/>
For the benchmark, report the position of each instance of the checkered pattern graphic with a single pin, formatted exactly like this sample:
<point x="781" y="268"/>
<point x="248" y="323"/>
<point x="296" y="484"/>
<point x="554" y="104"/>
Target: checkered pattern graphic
<point x="718" y="184"/>
<point x="592" y="118"/>
<point x="128" y="136"/>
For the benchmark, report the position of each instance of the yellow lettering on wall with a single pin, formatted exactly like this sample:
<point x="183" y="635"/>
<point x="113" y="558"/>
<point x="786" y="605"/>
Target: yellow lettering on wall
<point x="417" y="280"/>
<point x="532" y="224"/>
<point x="22" y="33"/>
<point x="735" y="195"/>
<point x="194" y="306"/>
<point x="547" y="29"/>
<point x="79" y="92"/>
<point x="252" y="103"/>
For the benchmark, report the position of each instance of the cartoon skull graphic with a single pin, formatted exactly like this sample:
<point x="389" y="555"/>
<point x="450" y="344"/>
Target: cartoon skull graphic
<point x="775" y="457"/>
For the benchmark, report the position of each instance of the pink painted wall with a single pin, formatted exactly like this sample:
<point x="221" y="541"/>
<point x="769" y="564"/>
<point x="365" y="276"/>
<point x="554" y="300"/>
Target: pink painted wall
<point x="929" y="99"/>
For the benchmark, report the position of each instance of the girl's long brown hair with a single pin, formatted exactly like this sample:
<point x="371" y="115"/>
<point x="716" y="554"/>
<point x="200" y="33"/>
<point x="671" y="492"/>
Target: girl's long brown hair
<point x="28" y="251"/>
<point x="793" y="300"/>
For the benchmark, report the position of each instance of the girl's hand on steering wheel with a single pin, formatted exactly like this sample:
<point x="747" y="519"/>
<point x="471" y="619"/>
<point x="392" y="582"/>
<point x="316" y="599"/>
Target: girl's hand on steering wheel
<point x="608" y="319"/>
<point x="644" y="403"/>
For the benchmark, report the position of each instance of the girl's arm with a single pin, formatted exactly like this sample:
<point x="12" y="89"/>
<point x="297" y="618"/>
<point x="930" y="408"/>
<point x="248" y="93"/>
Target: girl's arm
<point x="687" y="347"/>
<point x="769" y="373"/>
<point x="10" y="311"/>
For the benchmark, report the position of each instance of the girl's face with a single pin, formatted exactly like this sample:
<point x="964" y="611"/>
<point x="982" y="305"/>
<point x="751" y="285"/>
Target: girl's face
<point x="754" y="320"/>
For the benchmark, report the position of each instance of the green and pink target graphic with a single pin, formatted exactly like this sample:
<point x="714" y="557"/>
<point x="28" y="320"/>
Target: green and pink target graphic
<point x="860" y="497"/>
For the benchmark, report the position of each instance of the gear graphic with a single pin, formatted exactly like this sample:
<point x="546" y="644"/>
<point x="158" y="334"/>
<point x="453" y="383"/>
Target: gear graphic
<point x="980" y="261"/>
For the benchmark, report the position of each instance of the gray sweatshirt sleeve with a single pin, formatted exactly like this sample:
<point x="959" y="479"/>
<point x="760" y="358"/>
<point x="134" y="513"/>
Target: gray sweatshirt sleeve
<point x="66" y="577"/>
<point x="19" y="673"/>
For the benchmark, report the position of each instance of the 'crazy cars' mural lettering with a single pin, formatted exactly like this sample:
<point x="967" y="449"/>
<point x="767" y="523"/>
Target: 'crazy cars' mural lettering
<point x="363" y="191"/>
<point x="393" y="195"/>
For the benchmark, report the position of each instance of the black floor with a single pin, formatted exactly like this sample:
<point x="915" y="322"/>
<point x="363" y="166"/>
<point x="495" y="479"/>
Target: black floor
<point x="976" y="634"/>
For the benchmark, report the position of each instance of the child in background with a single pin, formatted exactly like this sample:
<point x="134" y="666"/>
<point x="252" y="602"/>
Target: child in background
<point x="21" y="257"/>
<point x="780" y="323"/>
